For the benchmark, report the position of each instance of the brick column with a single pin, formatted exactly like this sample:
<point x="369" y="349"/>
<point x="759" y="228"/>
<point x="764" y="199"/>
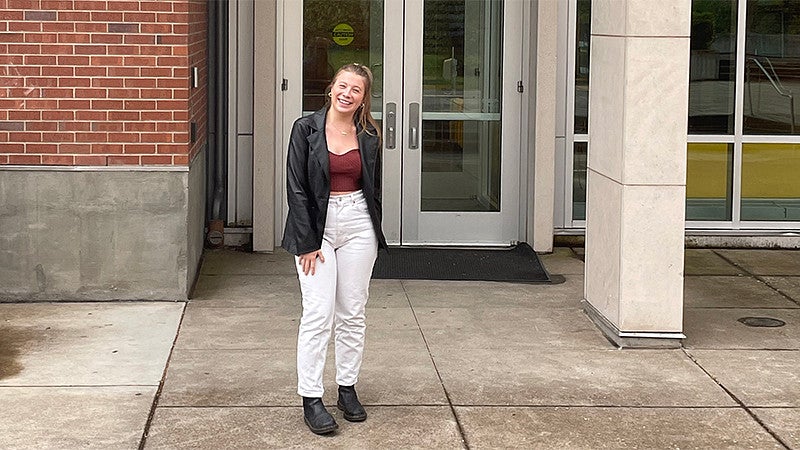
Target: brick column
<point x="637" y="169"/>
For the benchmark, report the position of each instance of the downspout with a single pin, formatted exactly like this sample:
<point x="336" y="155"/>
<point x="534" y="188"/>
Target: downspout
<point x="217" y="111"/>
<point x="211" y="107"/>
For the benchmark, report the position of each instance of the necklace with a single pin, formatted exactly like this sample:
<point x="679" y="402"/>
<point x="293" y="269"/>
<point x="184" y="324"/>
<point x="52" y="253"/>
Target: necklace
<point x="344" y="133"/>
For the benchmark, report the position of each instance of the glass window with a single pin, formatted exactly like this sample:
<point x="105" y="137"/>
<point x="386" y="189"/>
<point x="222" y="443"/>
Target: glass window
<point x="709" y="181"/>
<point x="770" y="182"/>
<point x="772" y="67"/>
<point x="579" y="181"/>
<point x="582" y="40"/>
<point x="461" y="105"/>
<point x="712" y="67"/>
<point x="335" y="33"/>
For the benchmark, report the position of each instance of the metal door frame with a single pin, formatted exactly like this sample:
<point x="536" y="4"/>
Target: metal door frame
<point x="501" y="228"/>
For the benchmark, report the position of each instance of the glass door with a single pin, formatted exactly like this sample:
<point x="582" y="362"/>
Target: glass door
<point x="335" y="33"/>
<point x="461" y="122"/>
<point x="445" y="92"/>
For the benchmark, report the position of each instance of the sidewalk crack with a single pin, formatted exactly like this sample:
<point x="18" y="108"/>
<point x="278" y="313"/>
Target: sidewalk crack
<point x="759" y="278"/>
<point x="152" y="413"/>
<point x="453" y="411"/>
<point x="738" y="401"/>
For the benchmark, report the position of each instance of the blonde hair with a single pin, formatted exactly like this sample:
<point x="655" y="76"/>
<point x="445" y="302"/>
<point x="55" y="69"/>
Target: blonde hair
<point x="363" y="116"/>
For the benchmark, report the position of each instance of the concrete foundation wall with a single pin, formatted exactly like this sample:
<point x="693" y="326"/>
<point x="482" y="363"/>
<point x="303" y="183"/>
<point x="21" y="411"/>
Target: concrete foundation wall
<point x="99" y="235"/>
<point x="790" y="240"/>
<point x="196" y="218"/>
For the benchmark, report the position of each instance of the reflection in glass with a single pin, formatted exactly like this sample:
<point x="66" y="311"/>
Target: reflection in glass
<point x="579" y="181"/>
<point x="772" y="67"/>
<point x="712" y="67"/>
<point x="770" y="182"/>
<point x="329" y="43"/>
<point x="709" y="181"/>
<point x="582" y="40"/>
<point x="461" y="104"/>
<point x="460" y="165"/>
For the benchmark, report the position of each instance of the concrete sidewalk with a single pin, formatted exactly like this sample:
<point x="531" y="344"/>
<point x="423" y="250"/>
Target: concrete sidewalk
<point x="447" y="365"/>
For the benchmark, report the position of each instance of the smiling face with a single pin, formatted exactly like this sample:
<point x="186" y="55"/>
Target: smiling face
<point x="347" y="92"/>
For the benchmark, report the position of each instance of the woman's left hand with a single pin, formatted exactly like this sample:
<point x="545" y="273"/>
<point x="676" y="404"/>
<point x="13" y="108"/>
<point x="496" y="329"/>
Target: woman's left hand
<point x="309" y="261"/>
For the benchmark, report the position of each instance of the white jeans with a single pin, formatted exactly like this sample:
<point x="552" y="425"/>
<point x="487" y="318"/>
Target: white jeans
<point x="336" y="295"/>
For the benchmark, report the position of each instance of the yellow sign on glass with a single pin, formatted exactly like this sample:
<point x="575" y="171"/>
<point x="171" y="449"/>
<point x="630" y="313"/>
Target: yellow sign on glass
<point x="343" y="34"/>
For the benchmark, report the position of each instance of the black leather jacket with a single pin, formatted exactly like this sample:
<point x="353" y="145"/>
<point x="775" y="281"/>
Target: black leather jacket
<point x="308" y="183"/>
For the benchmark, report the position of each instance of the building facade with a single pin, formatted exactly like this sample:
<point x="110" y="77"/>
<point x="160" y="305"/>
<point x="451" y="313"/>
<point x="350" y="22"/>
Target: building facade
<point x="132" y="131"/>
<point x="102" y="144"/>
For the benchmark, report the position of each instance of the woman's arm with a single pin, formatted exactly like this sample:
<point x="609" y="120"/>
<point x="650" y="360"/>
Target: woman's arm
<point x="299" y="221"/>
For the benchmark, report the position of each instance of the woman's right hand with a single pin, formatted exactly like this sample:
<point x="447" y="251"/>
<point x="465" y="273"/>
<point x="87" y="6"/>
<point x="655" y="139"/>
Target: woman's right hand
<point x="309" y="261"/>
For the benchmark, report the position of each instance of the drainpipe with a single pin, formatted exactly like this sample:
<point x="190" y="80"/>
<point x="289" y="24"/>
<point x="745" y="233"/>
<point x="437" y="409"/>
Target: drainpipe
<point x="217" y="113"/>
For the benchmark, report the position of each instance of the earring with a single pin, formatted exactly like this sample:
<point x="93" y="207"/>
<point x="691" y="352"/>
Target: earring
<point x="329" y="94"/>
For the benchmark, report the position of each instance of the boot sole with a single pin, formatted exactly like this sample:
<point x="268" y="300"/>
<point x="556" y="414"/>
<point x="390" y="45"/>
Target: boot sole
<point x="350" y="417"/>
<point x="325" y="430"/>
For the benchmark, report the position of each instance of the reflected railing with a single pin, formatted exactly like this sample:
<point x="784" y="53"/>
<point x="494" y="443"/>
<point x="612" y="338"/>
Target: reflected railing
<point x="775" y="81"/>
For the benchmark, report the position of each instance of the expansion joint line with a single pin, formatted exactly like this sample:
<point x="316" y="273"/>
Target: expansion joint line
<point x="153" y="407"/>
<point x="738" y="401"/>
<point x="438" y="375"/>
<point x="759" y="278"/>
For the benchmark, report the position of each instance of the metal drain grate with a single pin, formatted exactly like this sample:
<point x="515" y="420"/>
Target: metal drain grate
<point x="762" y="322"/>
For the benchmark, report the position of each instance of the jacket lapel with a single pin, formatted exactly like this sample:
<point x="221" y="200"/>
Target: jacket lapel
<point x="317" y="144"/>
<point x="367" y="145"/>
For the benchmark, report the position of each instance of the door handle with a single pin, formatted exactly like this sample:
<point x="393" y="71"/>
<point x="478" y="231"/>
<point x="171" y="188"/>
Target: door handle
<point x="413" y="124"/>
<point x="391" y="124"/>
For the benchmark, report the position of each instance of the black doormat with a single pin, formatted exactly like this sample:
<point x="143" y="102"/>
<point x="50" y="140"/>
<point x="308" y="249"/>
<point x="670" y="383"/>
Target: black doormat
<point x="518" y="264"/>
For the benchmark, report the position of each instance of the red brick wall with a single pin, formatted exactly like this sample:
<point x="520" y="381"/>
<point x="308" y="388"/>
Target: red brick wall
<point x="98" y="82"/>
<point x="198" y="57"/>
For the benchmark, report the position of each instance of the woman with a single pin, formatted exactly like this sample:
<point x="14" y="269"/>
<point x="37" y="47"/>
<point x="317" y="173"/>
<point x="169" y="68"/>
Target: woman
<point x="334" y="229"/>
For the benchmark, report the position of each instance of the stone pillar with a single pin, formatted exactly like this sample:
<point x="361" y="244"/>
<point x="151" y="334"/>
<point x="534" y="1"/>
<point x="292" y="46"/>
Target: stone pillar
<point x="541" y="186"/>
<point x="638" y="101"/>
<point x="263" y="133"/>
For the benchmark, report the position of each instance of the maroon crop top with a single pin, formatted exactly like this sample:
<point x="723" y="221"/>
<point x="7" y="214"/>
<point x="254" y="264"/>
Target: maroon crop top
<point x="345" y="171"/>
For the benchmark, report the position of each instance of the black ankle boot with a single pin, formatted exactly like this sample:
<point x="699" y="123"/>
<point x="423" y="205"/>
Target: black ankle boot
<point x="317" y="417"/>
<point x="348" y="402"/>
